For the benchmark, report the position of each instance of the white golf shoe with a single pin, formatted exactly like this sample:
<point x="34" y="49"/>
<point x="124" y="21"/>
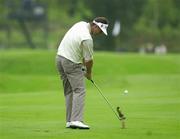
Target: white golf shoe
<point x="68" y="124"/>
<point x="78" y="124"/>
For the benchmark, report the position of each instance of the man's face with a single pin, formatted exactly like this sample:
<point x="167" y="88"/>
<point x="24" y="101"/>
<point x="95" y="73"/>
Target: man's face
<point x="96" y="30"/>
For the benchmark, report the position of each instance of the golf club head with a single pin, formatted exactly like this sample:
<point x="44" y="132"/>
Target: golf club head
<point x="121" y="115"/>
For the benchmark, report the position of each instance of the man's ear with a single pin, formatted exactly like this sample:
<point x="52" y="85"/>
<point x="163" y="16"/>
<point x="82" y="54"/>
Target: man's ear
<point x="94" y="26"/>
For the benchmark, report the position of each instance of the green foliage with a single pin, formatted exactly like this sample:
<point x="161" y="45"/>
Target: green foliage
<point x="158" y="22"/>
<point x="142" y="21"/>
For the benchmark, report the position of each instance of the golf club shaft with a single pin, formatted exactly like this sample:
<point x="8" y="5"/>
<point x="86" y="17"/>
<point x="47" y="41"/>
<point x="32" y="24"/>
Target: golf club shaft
<point x="109" y="104"/>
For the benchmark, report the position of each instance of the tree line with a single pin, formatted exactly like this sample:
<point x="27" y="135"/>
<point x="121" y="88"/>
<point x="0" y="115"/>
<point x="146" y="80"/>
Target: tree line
<point x="142" y="22"/>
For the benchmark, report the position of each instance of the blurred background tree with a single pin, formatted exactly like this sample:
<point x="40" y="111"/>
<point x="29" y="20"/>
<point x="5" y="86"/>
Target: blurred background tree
<point x="142" y="22"/>
<point x="158" y="24"/>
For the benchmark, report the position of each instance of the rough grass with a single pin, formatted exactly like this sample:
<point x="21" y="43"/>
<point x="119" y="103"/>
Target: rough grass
<point x="32" y="101"/>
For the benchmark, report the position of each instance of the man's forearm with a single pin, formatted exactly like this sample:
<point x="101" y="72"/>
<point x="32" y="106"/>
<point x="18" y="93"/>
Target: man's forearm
<point x="89" y="66"/>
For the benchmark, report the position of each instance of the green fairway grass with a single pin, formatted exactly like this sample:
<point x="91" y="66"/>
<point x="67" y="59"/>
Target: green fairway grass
<point x="32" y="102"/>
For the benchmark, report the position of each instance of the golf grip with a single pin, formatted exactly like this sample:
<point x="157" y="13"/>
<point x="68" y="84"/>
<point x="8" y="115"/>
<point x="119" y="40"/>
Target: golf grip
<point x="109" y="104"/>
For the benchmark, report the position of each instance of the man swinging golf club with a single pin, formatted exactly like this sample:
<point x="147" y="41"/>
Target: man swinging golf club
<point x="74" y="51"/>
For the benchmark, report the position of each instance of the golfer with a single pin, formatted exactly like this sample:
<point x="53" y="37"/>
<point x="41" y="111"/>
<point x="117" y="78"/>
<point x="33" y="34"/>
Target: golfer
<point x="74" y="52"/>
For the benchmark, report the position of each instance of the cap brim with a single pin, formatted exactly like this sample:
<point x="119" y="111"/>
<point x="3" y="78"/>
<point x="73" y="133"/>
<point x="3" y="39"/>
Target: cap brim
<point x="104" y="31"/>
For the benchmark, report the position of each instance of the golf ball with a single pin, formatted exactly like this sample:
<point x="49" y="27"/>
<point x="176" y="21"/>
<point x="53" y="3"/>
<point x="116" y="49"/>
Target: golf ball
<point x="125" y="91"/>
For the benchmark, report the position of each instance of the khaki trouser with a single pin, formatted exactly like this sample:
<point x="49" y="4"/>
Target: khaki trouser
<point x="74" y="88"/>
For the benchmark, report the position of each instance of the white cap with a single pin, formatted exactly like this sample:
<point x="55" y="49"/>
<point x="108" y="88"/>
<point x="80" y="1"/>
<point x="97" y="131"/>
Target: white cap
<point x="102" y="26"/>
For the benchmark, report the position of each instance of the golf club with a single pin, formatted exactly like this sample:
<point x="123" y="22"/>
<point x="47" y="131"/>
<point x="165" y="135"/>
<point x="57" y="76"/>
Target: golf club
<point x="109" y="104"/>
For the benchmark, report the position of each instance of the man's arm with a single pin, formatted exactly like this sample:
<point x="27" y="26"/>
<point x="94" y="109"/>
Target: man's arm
<point x="89" y="66"/>
<point x="88" y="57"/>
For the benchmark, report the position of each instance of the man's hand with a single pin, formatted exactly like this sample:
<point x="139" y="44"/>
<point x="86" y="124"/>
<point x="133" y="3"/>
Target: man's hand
<point x="88" y="76"/>
<point x="88" y="69"/>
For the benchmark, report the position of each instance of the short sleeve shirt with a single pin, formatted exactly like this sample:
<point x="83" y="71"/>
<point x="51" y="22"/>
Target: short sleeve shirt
<point x="71" y="45"/>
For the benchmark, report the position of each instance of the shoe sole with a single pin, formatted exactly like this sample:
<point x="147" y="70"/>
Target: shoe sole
<point x="77" y="127"/>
